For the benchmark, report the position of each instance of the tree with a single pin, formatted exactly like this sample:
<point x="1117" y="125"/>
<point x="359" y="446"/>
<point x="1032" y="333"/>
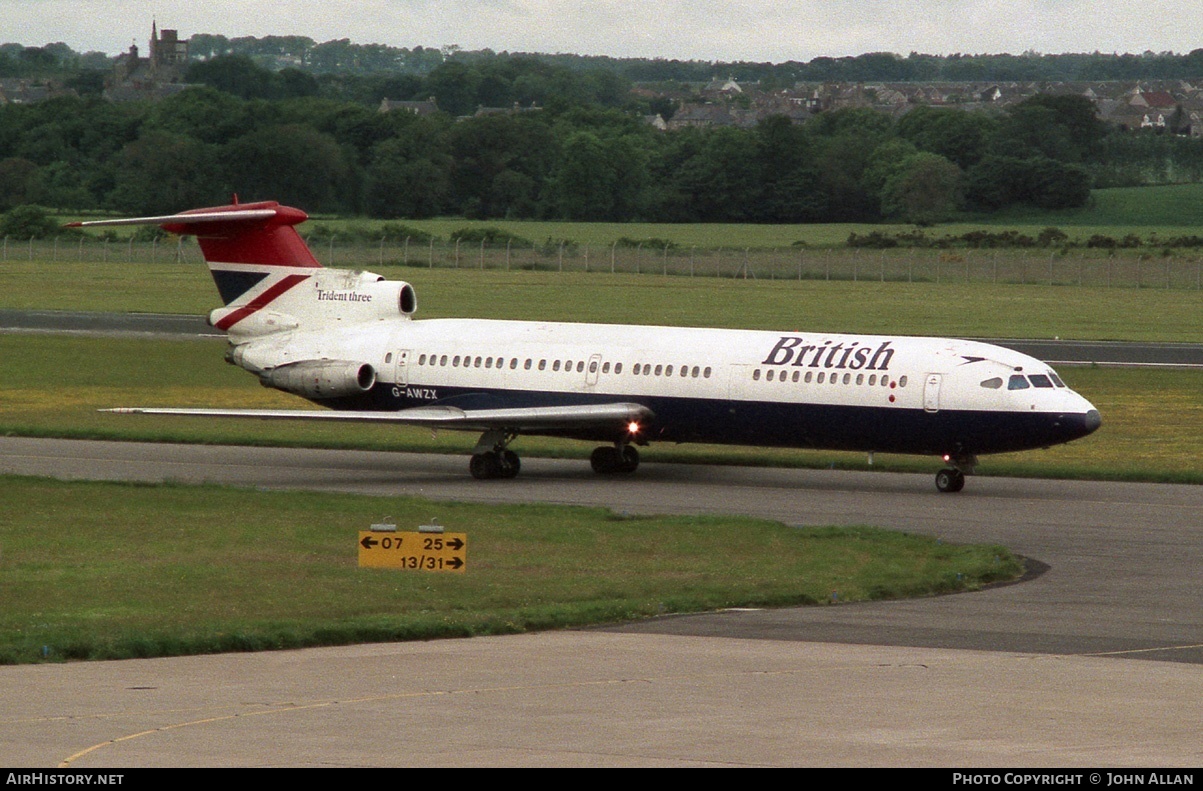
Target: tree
<point x="924" y="190"/>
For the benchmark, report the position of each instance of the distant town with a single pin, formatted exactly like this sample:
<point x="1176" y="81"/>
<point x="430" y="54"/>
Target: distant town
<point x="724" y="100"/>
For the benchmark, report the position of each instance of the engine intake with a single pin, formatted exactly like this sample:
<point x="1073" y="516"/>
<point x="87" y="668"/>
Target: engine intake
<point x="321" y="378"/>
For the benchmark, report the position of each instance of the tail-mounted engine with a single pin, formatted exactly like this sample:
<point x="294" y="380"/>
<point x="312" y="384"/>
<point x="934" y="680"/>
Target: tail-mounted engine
<point x="320" y="379"/>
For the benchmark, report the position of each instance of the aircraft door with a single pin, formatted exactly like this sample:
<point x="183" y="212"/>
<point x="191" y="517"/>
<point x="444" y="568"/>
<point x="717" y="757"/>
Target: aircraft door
<point x="591" y="369"/>
<point x="931" y="393"/>
<point x="401" y="371"/>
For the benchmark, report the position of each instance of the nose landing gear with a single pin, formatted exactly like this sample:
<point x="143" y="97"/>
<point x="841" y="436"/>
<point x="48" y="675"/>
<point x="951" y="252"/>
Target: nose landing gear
<point x="952" y="479"/>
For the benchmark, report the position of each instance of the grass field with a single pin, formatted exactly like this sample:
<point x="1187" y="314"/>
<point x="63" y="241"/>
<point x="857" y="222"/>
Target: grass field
<point x="102" y="570"/>
<point x="1168" y="210"/>
<point x="997" y="311"/>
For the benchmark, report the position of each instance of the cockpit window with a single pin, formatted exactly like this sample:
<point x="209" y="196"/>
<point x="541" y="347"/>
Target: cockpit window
<point x="1017" y="382"/>
<point x="993" y="384"/>
<point x="1056" y="379"/>
<point x="1040" y="380"/>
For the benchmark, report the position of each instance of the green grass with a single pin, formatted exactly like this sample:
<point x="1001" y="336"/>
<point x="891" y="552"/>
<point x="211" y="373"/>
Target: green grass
<point x="981" y="310"/>
<point x="1168" y="210"/>
<point x="103" y="570"/>
<point x="53" y="385"/>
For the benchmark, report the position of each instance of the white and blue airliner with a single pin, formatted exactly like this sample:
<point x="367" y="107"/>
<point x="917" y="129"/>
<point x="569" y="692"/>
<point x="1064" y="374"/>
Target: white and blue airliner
<point x="347" y="341"/>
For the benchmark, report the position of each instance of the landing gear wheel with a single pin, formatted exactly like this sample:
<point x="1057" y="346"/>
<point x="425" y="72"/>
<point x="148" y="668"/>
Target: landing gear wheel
<point x="607" y="460"/>
<point x="494" y="464"/>
<point x="604" y="460"/>
<point x="630" y="459"/>
<point x="485" y="466"/>
<point x="510" y="464"/>
<point x="950" y="480"/>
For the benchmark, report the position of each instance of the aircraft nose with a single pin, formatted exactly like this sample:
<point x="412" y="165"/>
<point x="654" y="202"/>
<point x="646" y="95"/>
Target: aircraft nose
<point x="1092" y="421"/>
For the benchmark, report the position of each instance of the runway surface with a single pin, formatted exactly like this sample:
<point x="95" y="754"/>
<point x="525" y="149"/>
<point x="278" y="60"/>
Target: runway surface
<point x="1095" y="661"/>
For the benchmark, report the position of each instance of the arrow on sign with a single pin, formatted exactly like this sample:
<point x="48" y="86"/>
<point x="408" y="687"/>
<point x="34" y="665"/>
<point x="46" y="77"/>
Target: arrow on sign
<point x="455" y="543"/>
<point x="368" y="542"/>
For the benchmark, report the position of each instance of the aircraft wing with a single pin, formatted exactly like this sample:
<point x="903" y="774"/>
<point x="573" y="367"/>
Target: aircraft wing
<point x="517" y="419"/>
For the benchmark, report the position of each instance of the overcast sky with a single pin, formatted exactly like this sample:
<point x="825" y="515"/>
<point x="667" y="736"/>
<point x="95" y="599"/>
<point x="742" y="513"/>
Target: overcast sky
<point x="757" y="30"/>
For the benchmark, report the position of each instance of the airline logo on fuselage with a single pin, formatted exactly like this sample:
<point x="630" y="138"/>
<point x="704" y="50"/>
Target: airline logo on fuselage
<point x="795" y="351"/>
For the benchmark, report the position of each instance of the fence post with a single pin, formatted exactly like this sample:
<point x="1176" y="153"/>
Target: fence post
<point x="561" y="255"/>
<point x="457" y="253"/>
<point x="330" y="256"/>
<point x="801" y="254"/>
<point x="613" y="247"/>
<point x="586" y="259"/>
<point x="430" y="259"/>
<point x="638" y="263"/>
<point x="405" y="252"/>
<point x="31" y="248"/>
<point x="81" y="248"/>
<point x="691" y="252"/>
<point x="482" y="255"/>
<point x="382" y="251"/>
<point x="666" y="258"/>
<point x="508" y="242"/>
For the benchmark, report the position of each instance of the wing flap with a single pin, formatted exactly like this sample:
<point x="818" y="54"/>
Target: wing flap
<point x="516" y="419"/>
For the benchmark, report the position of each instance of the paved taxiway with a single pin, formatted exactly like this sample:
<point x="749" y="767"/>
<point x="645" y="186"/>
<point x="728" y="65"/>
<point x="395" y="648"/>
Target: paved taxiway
<point x="1094" y="661"/>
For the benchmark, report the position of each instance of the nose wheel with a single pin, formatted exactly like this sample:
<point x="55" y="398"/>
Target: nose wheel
<point x="950" y="480"/>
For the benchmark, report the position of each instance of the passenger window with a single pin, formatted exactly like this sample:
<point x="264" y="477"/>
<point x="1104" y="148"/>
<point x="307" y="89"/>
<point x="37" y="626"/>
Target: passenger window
<point x="443" y="360"/>
<point x="1040" y="380"/>
<point x="617" y="368"/>
<point x="455" y="361"/>
<point x="992" y="384"/>
<point x="706" y="373"/>
<point x="555" y="366"/>
<point x="593" y="367"/>
<point x="769" y="375"/>
<point x="756" y="375"/>
<point x="580" y="366"/>
<point x="847" y="378"/>
<point x="795" y="376"/>
<point x="809" y="376"/>
<point x="684" y="371"/>
<point x="872" y="380"/>
<point x="695" y="372"/>
<point x="668" y="370"/>
<point x="543" y="365"/>
<point x="514" y="363"/>
<point x="659" y="369"/>
<point x="822" y="377"/>
<point x="1017" y="382"/>
<point x="605" y="368"/>
<point x="902" y="381"/>
<point x="477" y="363"/>
<point x="488" y="362"/>
<point x="526" y="365"/>
<point x="860" y="379"/>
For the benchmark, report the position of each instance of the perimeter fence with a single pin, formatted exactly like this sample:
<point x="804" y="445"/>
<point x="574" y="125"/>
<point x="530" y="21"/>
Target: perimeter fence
<point x="1177" y="269"/>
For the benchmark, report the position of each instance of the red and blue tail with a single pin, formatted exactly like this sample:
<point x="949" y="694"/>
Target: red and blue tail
<point x="253" y="251"/>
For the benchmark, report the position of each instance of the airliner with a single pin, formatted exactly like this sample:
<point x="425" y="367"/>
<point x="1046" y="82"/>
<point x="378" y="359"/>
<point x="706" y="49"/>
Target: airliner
<point x="347" y="341"/>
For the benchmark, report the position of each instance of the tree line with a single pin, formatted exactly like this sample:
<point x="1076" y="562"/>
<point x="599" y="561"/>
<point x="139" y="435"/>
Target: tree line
<point x="576" y="147"/>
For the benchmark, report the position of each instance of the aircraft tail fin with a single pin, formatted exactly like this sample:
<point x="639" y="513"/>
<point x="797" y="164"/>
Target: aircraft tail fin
<point x="257" y="260"/>
<point x="243" y="243"/>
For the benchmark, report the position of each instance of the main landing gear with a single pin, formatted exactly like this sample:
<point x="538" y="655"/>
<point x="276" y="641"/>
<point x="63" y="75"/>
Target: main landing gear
<point x="952" y="479"/>
<point x="492" y="459"/>
<point x="608" y="460"/>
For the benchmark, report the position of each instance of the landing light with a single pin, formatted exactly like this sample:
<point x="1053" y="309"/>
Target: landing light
<point x="632" y="427"/>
